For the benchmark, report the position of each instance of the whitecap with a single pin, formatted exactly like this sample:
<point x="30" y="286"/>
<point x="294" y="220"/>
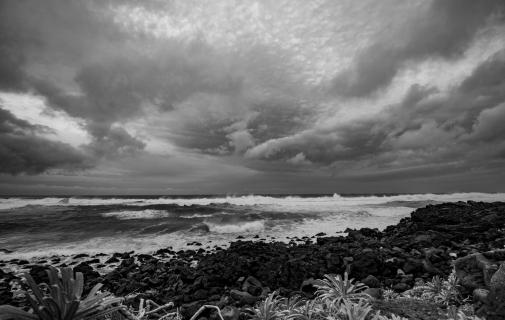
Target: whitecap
<point x="137" y="214"/>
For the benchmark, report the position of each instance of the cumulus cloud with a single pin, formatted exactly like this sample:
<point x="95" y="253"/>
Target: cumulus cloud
<point x="445" y="30"/>
<point x="427" y="127"/>
<point x="246" y="85"/>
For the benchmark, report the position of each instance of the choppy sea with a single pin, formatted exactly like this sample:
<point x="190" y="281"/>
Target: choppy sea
<point x="43" y="226"/>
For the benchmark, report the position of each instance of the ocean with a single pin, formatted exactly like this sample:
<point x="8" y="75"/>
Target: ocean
<point x="33" y="227"/>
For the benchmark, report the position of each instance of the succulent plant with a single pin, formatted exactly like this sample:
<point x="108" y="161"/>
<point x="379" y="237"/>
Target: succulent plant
<point x="355" y="311"/>
<point x="336" y="290"/>
<point x="268" y="309"/>
<point x="60" y="299"/>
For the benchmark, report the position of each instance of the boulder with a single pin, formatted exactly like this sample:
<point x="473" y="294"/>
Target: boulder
<point x="243" y="297"/>
<point x="252" y="286"/>
<point x="498" y="278"/>
<point x="39" y="273"/>
<point x="230" y="313"/>
<point x="371" y="281"/>
<point x="475" y="270"/>
<point x="308" y="287"/>
<point x="480" y="295"/>
<point x="375" y="293"/>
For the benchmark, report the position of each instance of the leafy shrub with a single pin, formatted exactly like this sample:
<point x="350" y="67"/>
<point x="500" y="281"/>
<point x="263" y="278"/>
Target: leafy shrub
<point x="355" y="311"/>
<point x="309" y="310"/>
<point x="390" y="294"/>
<point x="454" y="313"/>
<point x="268" y="309"/>
<point x="60" y="299"/>
<point x="391" y="317"/>
<point x="336" y="290"/>
<point x="437" y="290"/>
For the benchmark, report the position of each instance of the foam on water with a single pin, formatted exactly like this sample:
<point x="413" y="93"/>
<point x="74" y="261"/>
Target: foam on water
<point x="224" y="218"/>
<point x="241" y="227"/>
<point x="291" y="202"/>
<point x="138" y="214"/>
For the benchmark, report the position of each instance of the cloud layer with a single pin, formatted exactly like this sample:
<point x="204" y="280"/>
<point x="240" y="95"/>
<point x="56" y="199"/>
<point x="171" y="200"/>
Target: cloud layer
<point x="23" y="150"/>
<point x="263" y="92"/>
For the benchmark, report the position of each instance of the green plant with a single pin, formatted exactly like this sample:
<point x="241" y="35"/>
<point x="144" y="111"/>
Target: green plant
<point x="268" y="309"/>
<point x="336" y="290"/>
<point x="61" y="299"/>
<point x="390" y="294"/>
<point x="355" y="311"/>
<point x="291" y="305"/>
<point x="454" y="313"/>
<point x="309" y="310"/>
<point x="437" y="290"/>
<point x="390" y="317"/>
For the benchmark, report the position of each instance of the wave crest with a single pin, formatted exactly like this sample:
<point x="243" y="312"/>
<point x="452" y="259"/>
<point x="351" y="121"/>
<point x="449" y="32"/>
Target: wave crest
<point x="139" y="214"/>
<point x="240" y="227"/>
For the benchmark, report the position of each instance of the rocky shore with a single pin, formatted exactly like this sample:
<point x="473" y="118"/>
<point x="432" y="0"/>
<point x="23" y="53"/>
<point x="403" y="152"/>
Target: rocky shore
<point x="430" y="242"/>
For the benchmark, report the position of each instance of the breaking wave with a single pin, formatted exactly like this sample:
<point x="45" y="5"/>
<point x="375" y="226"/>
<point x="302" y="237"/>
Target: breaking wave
<point x="254" y="200"/>
<point x="241" y="227"/>
<point x="38" y="226"/>
<point x="138" y="214"/>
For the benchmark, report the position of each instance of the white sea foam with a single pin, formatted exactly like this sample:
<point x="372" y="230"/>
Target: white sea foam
<point x="274" y="203"/>
<point x="239" y="227"/>
<point x="139" y="214"/>
<point x="329" y="214"/>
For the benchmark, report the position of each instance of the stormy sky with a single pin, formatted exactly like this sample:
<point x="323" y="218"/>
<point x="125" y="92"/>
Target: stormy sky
<point x="274" y="96"/>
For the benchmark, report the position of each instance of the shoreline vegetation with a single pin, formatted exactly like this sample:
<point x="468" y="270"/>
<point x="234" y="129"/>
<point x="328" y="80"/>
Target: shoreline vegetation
<point x="445" y="261"/>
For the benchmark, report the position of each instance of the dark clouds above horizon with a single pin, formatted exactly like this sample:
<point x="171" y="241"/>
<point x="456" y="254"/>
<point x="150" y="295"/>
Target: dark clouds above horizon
<point x="265" y="96"/>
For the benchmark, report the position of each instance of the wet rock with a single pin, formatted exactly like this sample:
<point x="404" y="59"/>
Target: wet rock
<point x="375" y="293"/>
<point x="252" y="286"/>
<point x="480" y="295"/>
<point x="498" y="278"/>
<point x="189" y="309"/>
<point x="230" y="313"/>
<point x="371" y="281"/>
<point x="243" y="298"/>
<point x="201" y="294"/>
<point x="112" y="260"/>
<point x="475" y="270"/>
<point x="81" y="255"/>
<point x="39" y="273"/>
<point x="308" y="287"/>
<point x="88" y="272"/>
<point x="400" y="287"/>
<point x="93" y="261"/>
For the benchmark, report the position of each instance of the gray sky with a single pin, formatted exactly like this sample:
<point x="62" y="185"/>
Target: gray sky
<point x="177" y="97"/>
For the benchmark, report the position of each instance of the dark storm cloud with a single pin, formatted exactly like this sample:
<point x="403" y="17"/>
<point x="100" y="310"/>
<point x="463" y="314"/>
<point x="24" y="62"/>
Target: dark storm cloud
<point x="445" y="30"/>
<point x="155" y="96"/>
<point x="428" y="130"/>
<point x="23" y="150"/>
<point x="71" y="33"/>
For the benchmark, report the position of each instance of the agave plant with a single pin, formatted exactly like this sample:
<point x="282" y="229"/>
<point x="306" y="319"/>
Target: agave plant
<point x="309" y="310"/>
<point x="355" y="311"/>
<point x="268" y="309"/>
<point x="390" y="294"/>
<point x="454" y="313"/>
<point x="337" y="290"/>
<point x="391" y="317"/>
<point x="434" y="286"/>
<point x="291" y="305"/>
<point x="61" y="300"/>
<point x="437" y="290"/>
